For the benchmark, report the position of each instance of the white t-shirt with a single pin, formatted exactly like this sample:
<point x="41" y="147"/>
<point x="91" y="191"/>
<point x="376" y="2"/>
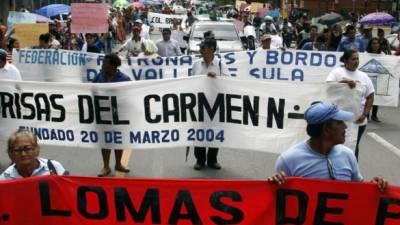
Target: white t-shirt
<point x="276" y="42"/>
<point x="133" y="47"/>
<point x="9" y="72"/>
<point x="341" y="73"/>
<point x="145" y="32"/>
<point x="178" y="35"/>
<point x="217" y="66"/>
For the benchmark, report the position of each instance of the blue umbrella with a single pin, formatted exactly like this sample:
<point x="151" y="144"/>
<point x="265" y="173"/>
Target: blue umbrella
<point x="54" y="10"/>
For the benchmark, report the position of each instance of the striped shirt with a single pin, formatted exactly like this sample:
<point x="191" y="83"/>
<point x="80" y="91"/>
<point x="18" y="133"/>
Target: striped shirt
<point x="9" y="57"/>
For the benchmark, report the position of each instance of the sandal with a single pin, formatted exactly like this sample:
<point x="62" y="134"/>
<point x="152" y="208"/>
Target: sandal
<point x="122" y="169"/>
<point x="104" y="172"/>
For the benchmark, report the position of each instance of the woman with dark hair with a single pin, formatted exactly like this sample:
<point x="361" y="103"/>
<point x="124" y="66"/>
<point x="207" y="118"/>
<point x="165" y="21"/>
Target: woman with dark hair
<point x="349" y="74"/>
<point x="374" y="47"/>
<point x="335" y="37"/>
<point x="111" y="74"/>
<point x="12" y="43"/>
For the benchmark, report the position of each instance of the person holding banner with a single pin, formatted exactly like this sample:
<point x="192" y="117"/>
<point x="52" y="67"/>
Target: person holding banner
<point x="110" y="74"/>
<point x="323" y="156"/>
<point x="7" y="70"/>
<point x="168" y="47"/>
<point x="349" y="74"/>
<point x="23" y="150"/>
<point x="211" y="66"/>
<point x="134" y="45"/>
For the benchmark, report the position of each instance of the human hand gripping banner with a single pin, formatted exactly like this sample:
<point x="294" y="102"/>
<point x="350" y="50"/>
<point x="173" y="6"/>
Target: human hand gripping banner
<point x="290" y="66"/>
<point x="219" y="112"/>
<point x="84" y="200"/>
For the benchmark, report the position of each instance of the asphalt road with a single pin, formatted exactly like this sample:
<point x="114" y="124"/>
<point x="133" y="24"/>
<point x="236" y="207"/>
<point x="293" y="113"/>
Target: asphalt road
<point x="379" y="155"/>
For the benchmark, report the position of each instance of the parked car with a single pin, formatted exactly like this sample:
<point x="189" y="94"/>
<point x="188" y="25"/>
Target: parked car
<point x="227" y="36"/>
<point x="179" y="10"/>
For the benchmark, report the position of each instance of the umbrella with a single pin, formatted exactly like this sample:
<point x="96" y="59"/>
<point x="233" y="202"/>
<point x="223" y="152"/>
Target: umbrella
<point x="330" y="18"/>
<point x="43" y="19"/>
<point x="120" y="4"/>
<point x="23" y="17"/>
<point x="377" y="18"/>
<point x="54" y="10"/>
<point x="137" y="5"/>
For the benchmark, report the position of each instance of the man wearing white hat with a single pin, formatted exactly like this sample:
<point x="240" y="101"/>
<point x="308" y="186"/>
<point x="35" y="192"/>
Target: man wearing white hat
<point x="145" y="30"/>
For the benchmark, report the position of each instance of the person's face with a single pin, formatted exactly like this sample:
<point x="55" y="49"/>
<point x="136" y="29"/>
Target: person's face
<point x="317" y="44"/>
<point x="166" y="35"/>
<point x="381" y="34"/>
<point x="89" y="39"/>
<point x="337" y="132"/>
<point x="24" y="151"/>
<point x="353" y="62"/>
<point x="375" y="45"/>
<point x="206" y="51"/>
<point x="16" y="45"/>
<point x="368" y="33"/>
<point x="313" y="32"/>
<point x="136" y="32"/>
<point x="337" y="31"/>
<point x="351" y="33"/>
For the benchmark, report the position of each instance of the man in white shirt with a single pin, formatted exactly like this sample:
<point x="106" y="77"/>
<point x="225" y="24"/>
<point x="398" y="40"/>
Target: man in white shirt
<point x="208" y="64"/>
<point x="211" y="66"/>
<point x="168" y="47"/>
<point x="134" y="45"/>
<point x="7" y="70"/>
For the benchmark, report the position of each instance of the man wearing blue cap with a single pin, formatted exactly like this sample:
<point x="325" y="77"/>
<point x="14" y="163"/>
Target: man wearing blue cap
<point x="7" y="70"/>
<point x="323" y="156"/>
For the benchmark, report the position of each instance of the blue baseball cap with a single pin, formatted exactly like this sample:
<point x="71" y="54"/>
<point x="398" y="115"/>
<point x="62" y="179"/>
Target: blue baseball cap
<point x="322" y="111"/>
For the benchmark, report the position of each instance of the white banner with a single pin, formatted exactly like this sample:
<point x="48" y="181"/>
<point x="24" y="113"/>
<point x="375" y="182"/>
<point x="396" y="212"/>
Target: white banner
<point x="159" y="20"/>
<point x="199" y="111"/>
<point x="289" y="66"/>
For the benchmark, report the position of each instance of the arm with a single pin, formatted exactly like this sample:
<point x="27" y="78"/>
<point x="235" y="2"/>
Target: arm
<point x="349" y="82"/>
<point x="367" y="108"/>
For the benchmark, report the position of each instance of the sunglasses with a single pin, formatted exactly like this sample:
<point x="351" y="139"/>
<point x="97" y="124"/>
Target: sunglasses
<point x="27" y="148"/>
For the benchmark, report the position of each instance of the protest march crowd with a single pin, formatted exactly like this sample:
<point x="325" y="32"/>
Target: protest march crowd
<point x="129" y="29"/>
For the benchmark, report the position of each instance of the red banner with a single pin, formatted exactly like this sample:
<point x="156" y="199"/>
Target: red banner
<point x="84" y="200"/>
